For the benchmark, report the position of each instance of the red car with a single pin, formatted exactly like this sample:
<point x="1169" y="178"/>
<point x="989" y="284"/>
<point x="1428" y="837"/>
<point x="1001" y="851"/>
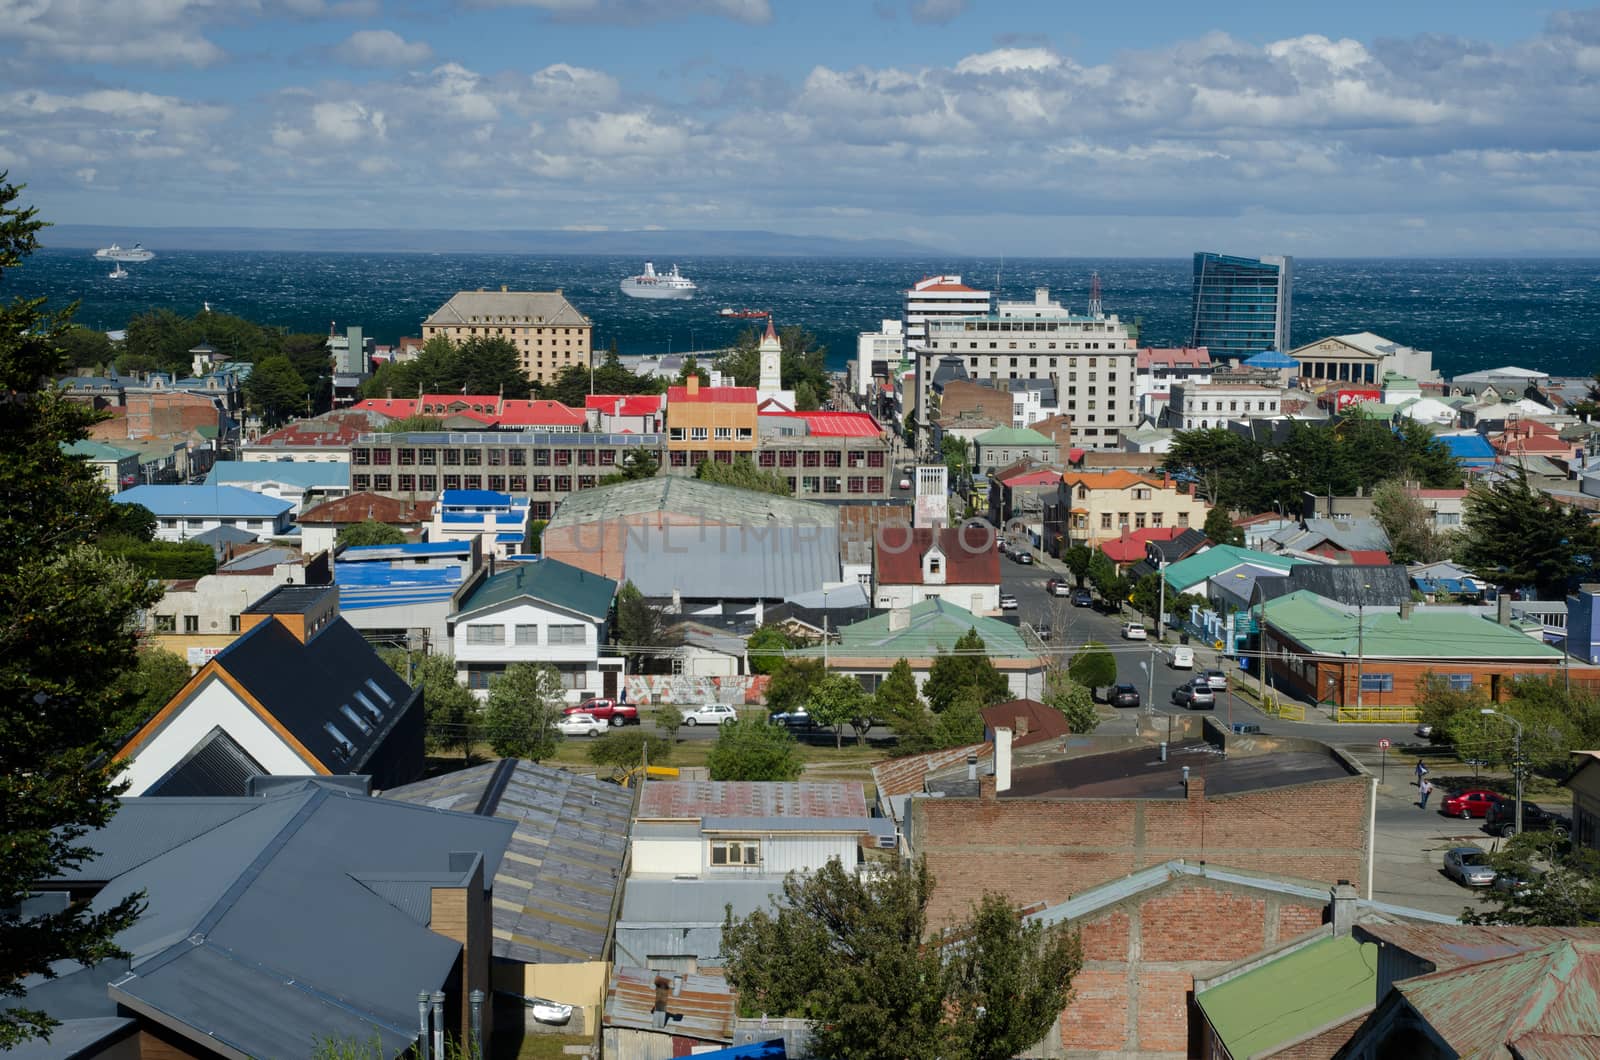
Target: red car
<point x="1473" y="803"/>
<point x="607" y="710"/>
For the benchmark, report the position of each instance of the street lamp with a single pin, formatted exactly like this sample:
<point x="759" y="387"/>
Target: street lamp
<point x="1516" y="757"/>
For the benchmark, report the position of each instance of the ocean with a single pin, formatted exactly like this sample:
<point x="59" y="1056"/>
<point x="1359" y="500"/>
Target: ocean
<point x="1472" y="314"/>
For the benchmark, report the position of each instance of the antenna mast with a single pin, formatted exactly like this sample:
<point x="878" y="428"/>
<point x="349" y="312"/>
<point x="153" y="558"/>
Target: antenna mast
<point x="1095" y="309"/>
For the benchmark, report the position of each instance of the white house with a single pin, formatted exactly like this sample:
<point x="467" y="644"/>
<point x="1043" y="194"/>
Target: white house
<point x="500" y="520"/>
<point x="961" y="564"/>
<point x="545" y="611"/>
<point x="184" y="511"/>
<point x="285" y="481"/>
<point x="1198" y="405"/>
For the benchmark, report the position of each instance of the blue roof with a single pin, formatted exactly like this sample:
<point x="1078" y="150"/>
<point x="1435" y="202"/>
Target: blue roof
<point x="420" y="548"/>
<point x="474" y="497"/>
<point x="1468" y="446"/>
<point x="1271" y="359"/>
<point x="295" y="473"/>
<point x="508" y="539"/>
<point x="199" y="501"/>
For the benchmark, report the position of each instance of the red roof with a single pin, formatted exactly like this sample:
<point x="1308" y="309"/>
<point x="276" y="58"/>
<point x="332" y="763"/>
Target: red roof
<point x="1043" y="723"/>
<point x="837" y="424"/>
<point x="518" y="413"/>
<point x="329" y="429"/>
<point x="1129" y="548"/>
<point x="730" y="395"/>
<point x="360" y="507"/>
<point x="772" y="332"/>
<point x="940" y="283"/>
<point x="971" y="557"/>
<point x="631" y="404"/>
<point x="394" y="408"/>
<point x="1045" y="477"/>
<point x="1369" y="557"/>
<point x="1187" y="356"/>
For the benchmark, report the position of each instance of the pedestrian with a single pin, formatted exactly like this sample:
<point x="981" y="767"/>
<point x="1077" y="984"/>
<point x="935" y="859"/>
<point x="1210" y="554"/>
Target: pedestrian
<point x="1422" y="771"/>
<point x="1424" y="789"/>
<point x="622" y="695"/>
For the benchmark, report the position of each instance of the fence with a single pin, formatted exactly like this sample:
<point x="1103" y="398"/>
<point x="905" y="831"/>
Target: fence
<point x="1380" y="715"/>
<point x="651" y="689"/>
<point x="1287" y="709"/>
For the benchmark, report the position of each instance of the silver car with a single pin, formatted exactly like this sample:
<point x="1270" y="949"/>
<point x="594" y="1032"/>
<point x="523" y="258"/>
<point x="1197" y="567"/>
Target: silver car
<point x="1469" y="866"/>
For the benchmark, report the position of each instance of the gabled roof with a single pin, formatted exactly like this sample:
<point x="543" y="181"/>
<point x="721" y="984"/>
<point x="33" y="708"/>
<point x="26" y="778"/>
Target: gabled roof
<point x="1328" y="628"/>
<point x="1329" y="981"/>
<point x="971" y="557"/>
<point x="361" y="507"/>
<point x="836" y="424"/>
<point x="931" y="627"/>
<point x="722" y="395"/>
<point x="1044" y="722"/>
<point x="1013" y="436"/>
<point x="197" y="502"/>
<point x="1187" y="573"/>
<point x="745" y="562"/>
<point x="626" y="404"/>
<point x="548" y="581"/>
<point x="1172" y="357"/>
<point x="701" y="1007"/>
<point x="543" y="308"/>
<point x="99" y="451"/>
<point x="1112" y="480"/>
<point x="714" y="503"/>
<point x="702" y="799"/>
<point x="1130" y="547"/>
<point x="543" y="413"/>
<point x="904" y="776"/>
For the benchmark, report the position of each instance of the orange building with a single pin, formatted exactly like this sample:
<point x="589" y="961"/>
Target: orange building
<point x="705" y="422"/>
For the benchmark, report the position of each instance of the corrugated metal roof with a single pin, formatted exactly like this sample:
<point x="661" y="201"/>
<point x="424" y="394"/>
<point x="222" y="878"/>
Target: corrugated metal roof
<point x="74" y="1038"/>
<point x="1460" y="944"/>
<point x="549" y="581"/>
<point x="686" y="902"/>
<point x="200" y="501"/>
<point x="686" y="799"/>
<point x="1550" y="996"/>
<point x="904" y="776"/>
<point x="702" y="1007"/>
<point x="1327" y="628"/>
<point x="290" y="472"/>
<point x="687" y="496"/>
<point x="1287" y="998"/>
<point x="765" y="562"/>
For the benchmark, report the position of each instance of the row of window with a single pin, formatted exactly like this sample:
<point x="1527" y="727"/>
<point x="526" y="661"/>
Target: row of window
<point x="499" y="483"/>
<point x="947" y="345"/>
<point x="700" y="434"/>
<point x="200" y="524"/>
<point x="1140" y="520"/>
<point x="191" y="623"/>
<point x="813" y="458"/>
<point x="1233" y="406"/>
<point x="571" y="680"/>
<point x="407" y="456"/>
<point x="526" y="635"/>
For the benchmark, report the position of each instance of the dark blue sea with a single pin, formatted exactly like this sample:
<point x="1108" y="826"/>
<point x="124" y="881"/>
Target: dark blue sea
<point x="1471" y="313"/>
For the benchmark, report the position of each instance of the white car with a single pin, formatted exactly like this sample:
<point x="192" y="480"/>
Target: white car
<point x="710" y="714"/>
<point x="1134" y="631"/>
<point x="1183" y="658"/>
<point x="1008" y="602"/>
<point x="580" y="725"/>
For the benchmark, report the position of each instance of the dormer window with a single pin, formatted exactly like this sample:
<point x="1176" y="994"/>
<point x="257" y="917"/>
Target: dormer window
<point x="934" y="564"/>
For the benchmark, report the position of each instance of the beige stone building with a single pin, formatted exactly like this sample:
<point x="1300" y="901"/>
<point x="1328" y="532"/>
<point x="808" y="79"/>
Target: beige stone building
<point x="548" y="331"/>
<point x="1094" y="507"/>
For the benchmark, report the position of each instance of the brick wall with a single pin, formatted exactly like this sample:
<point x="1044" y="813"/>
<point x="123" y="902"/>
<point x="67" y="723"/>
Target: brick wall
<point x="1323" y="1046"/>
<point x="1337" y="680"/>
<point x="1040" y="850"/>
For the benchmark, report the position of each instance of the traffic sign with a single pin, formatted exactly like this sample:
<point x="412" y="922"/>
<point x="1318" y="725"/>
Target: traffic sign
<point x="1383" y="744"/>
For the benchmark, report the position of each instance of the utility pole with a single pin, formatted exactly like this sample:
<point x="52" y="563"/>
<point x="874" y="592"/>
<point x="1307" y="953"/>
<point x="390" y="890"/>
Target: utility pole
<point x="1360" y="615"/>
<point x="1516" y="758"/>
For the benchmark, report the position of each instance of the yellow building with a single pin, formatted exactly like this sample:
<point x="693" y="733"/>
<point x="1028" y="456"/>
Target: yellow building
<point x="1100" y="506"/>
<point x="710" y="419"/>
<point x="549" y="333"/>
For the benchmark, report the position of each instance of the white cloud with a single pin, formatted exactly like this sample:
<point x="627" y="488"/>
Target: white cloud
<point x="383" y="47"/>
<point x="756" y="12"/>
<point x="346" y="122"/>
<point x="1007" y="60"/>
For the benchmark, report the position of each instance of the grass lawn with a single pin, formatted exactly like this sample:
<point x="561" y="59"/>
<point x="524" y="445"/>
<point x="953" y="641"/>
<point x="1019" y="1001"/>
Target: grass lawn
<point x="535" y="1046"/>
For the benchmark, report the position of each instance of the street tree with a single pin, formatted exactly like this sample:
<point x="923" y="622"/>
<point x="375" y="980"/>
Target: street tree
<point x="519" y="719"/>
<point x="1559" y="883"/>
<point x="371" y="532"/>
<point x="856" y="955"/>
<point x="789" y="687"/>
<point x="967" y="667"/>
<point x="1093" y="666"/>
<point x="765" y="648"/>
<point x="638" y="625"/>
<point x="1221" y="529"/>
<point x="1074" y="701"/>
<point x="450" y="709"/>
<point x="1409" y="525"/>
<point x="899" y="705"/>
<point x="668" y="719"/>
<point x="753" y="749"/>
<point x="839" y="700"/>
<point x="1078" y="558"/>
<point x="1216" y="458"/>
<point x="625" y="749"/>
<point x="1517" y="537"/>
<point x="69" y="639"/>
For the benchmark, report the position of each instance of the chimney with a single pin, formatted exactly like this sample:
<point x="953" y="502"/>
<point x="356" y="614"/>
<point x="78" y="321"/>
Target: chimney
<point x="899" y="618"/>
<point x="1041" y="296"/>
<point x="986" y="787"/>
<point x="677" y="986"/>
<point x="691" y="386"/>
<point x="1195" y="785"/>
<point x="1342" y="907"/>
<point x="1405" y="609"/>
<point x="1022" y="726"/>
<point x="1163" y="750"/>
<point x="1503" y="608"/>
<point x="1002" y="760"/>
<point x="502" y="288"/>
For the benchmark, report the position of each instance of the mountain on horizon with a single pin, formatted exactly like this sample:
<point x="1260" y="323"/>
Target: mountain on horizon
<point x="663" y="243"/>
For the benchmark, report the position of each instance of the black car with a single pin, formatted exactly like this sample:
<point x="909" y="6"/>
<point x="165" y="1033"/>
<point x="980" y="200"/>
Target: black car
<point x="1082" y="598"/>
<point x="1123" y="696"/>
<point x="1501" y="820"/>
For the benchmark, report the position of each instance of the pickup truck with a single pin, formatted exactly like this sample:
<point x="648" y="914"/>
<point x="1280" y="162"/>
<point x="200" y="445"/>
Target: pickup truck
<point x="607" y="710"/>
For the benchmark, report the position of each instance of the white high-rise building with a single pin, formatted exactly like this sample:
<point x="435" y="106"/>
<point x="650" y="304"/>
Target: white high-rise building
<point x="1091" y="356"/>
<point x="886" y="346"/>
<point x="940" y="297"/>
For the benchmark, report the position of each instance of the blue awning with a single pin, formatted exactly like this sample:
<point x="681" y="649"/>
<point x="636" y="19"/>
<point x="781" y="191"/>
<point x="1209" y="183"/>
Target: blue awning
<point x="1271" y="359"/>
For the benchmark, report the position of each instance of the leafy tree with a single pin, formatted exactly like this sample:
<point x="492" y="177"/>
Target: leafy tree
<point x="625" y="749"/>
<point x="1216" y="458"/>
<point x="691" y="370"/>
<point x="312" y="359"/>
<point x="1517" y="537"/>
<point x="742" y="363"/>
<point x="450" y="708"/>
<point x="967" y="667"/>
<point x="765" y="647"/>
<point x="83" y="347"/>
<point x="789" y="687"/>
<point x="742" y="472"/>
<point x="1078" y="558"/>
<point x="639" y="464"/>
<point x="1560" y="884"/>
<point x="1112" y="586"/>
<point x="1093" y="666"/>
<point x="903" y="709"/>
<point x="802" y="363"/>
<point x="839" y="700"/>
<point x="1409" y="524"/>
<point x="492" y="365"/>
<point x="855" y="955"/>
<point x="161" y="340"/>
<point x="275" y="389"/>
<point x="805" y="397"/>
<point x="133" y="521"/>
<point x="162" y="559"/>
<point x="69" y="639"/>
<point x="669" y="719"/>
<point x="1220" y="527"/>
<point x="955" y="452"/>
<point x="405" y="424"/>
<point x="535" y="541"/>
<point x="609" y="377"/>
<point x="960" y="723"/>
<point x="752" y="749"/>
<point x="1074" y="701"/>
<point x="524" y="705"/>
<point x="157" y="677"/>
<point x="638" y="625"/>
<point x="371" y="532"/>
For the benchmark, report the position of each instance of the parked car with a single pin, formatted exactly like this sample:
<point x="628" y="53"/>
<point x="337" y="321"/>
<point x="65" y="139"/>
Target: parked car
<point x="1043" y="631"/>
<point x="710" y="714"/>
<point x="1501" y="820"/>
<point x="1512" y="884"/>
<point x="1182" y="658"/>
<point x="607" y="710"/>
<point x="1216" y="679"/>
<point x="1196" y="695"/>
<point x="1473" y="803"/>
<point x="1123" y="696"/>
<point x="1059" y="587"/>
<point x="1468" y="866"/>
<point x="1424" y="730"/>
<point x="1134" y="631"/>
<point x="1021" y="555"/>
<point x="794" y="719"/>
<point x="1082" y="598"/>
<point x="580" y="725"/>
<point x="546" y="1011"/>
<point x="1008" y="602"/>
<point x="905" y="483"/>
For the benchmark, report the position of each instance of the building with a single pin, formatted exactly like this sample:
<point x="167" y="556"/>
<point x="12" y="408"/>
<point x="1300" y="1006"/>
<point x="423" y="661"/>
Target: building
<point x="713" y="422"/>
<point x="1241" y="306"/>
<point x="827" y="455"/>
<point x="303" y="912"/>
<point x="402" y="595"/>
<point x="549" y="334"/>
<point x="183" y="512"/>
<point x="1019" y="498"/>
<point x="198" y="617"/>
<point x="705" y="571"/>
<point x="539" y="612"/>
<point x="770" y="394"/>
<point x="498" y="521"/>
<point x="321" y="523"/>
<point x="472" y="412"/>
<point x="555" y="896"/>
<point x="1196" y="406"/>
<point x="323" y="438"/>
<point x="1159" y="367"/>
<point x="628" y="413"/>
<point x="877" y="354"/>
<point x="1091" y="357"/>
<point x="1004" y="446"/>
<point x="1584" y="781"/>
<point x="1361" y="357"/>
<point x="649" y="1015"/>
<point x="1029" y="720"/>
<point x="297" y="483"/>
<point x="299" y="692"/>
<point x="118" y="468"/>
<point x="960" y="564"/>
<point x="939" y="298"/>
<point x="1093" y="507"/>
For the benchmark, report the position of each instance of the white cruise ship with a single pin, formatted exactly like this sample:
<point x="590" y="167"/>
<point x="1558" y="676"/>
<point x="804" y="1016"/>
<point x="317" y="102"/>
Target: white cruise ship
<point x="116" y="253"/>
<point x="648" y="284"/>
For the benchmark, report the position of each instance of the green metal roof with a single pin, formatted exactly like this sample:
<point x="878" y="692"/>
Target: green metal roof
<point x="1012" y="436"/>
<point x="99" y="450"/>
<point x="1290" y="997"/>
<point x="1187" y="573"/>
<point x="549" y="581"/>
<point x="1328" y="628"/>
<point x="934" y="625"/>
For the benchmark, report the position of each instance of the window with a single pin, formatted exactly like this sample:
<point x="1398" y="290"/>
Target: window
<point x="563" y="483"/>
<point x="452" y="457"/>
<point x="935" y="564"/>
<point x="810" y="484"/>
<point x="519" y="483"/>
<point x="166" y="623"/>
<point x="427" y="483"/>
<point x="408" y="483"/>
<point x="497" y="483"/>
<point x="233" y="623"/>
<point x="360" y="482"/>
<point x="832" y="458"/>
<point x="787" y="458"/>
<point x="471" y="482"/>
<point x="361" y="456"/>
<point x="1183" y="519"/>
<point x="381" y="483"/>
<point x="518" y="458"/>
<point x="527" y="634"/>
<point x="875" y="484"/>
<point x="480" y="678"/>
<point x="473" y="457"/>
<point x="565" y="634"/>
<point x="486" y="634"/>
<point x="856" y="483"/>
<point x="407" y="456"/>
<point x="735" y="853"/>
<point x="1378" y="682"/>
<point x="766" y="458"/>
<point x="1459" y="682"/>
<point x="811" y="458"/>
<point x="723" y="434"/>
<point x="1105" y="520"/>
<point x="698" y="434"/>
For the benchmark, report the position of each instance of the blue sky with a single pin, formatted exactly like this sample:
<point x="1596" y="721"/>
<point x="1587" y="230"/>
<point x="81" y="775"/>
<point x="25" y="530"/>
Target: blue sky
<point x="1417" y="127"/>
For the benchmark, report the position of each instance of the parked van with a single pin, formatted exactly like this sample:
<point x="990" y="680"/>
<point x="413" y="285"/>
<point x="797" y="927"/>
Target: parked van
<point x="1182" y="658"/>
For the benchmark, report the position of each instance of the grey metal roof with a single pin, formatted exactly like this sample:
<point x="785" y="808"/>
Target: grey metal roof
<point x="687" y="496"/>
<point x="553" y="894"/>
<point x="863" y="825"/>
<point x="74" y="1038"/>
<point x="217" y="765"/>
<point x="684" y="902"/>
<point x="1387" y="586"/>
<point x="769" y="563"/>
<point x="1352" y="535"/>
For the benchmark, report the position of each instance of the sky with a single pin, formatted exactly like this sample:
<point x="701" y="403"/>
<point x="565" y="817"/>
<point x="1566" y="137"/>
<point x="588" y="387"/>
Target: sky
<point x="1051" y="128"/>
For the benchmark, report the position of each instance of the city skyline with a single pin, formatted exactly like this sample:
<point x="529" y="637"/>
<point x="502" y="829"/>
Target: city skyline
<point x="1434" y="130"/>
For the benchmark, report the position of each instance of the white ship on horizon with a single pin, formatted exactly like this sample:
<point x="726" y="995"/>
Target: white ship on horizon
<point x="117" y="253"/>
<point x="649" y="284"/>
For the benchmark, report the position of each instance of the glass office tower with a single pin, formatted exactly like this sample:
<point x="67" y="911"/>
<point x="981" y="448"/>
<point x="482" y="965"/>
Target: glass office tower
<point x="1241" y="305"/>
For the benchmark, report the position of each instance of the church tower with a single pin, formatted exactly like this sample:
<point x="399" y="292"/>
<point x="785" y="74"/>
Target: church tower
<point x="771" y="361"/>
